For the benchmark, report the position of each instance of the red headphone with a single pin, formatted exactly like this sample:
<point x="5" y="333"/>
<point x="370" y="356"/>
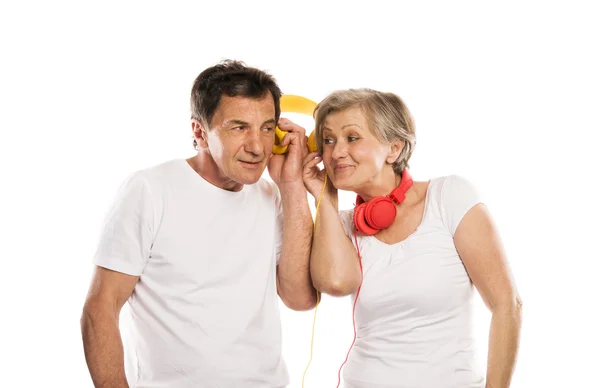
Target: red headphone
<point x="380" y="212"/>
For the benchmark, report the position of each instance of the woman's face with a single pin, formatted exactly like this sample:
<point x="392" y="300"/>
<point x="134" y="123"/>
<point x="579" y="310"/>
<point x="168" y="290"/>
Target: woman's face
<point x="353" y="157"/>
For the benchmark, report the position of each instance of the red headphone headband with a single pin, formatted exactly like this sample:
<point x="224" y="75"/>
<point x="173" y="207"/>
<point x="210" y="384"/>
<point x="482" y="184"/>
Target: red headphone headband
<point x="399" y="193"/>
<point x="380" y="212"/>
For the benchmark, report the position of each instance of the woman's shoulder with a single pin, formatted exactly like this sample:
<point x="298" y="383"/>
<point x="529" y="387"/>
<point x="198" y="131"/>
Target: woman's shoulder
<point x="448" y="186"/>
<point x="452" y="196"/>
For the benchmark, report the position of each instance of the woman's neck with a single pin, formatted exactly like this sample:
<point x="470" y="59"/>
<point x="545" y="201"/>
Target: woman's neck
<point x="380" y="187"/>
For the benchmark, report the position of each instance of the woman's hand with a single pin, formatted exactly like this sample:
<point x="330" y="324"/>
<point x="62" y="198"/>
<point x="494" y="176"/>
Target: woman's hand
<point x="314" y="178"/>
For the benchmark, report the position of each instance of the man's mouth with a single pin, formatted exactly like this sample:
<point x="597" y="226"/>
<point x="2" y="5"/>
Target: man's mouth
<point x="252" y="164"/>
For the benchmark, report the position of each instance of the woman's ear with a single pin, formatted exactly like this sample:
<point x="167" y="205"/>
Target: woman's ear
<point x="395" y="151"/>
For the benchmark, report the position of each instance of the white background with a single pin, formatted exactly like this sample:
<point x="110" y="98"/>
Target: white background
<point x="505" y="94"/>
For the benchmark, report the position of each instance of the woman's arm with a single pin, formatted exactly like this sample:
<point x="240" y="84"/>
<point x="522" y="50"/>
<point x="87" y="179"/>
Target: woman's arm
<point x="481" y="251"/>
<point x="334" y="265"/>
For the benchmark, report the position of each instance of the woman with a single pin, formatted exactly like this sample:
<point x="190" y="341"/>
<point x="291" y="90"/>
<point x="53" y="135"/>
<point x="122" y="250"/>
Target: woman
<point x="412" y="260"/>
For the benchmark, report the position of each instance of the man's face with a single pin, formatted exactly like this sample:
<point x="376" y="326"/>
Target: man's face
<point x="241" y="137"/>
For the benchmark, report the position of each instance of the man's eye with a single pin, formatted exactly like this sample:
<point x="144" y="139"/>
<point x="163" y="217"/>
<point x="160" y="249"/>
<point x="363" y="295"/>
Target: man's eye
<point x="238" y="128"/>
<point x="268" y="129"/>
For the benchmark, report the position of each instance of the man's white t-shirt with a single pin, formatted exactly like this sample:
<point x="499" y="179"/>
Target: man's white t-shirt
<point x="205" y="310"/>
<point x="413" y="314"/>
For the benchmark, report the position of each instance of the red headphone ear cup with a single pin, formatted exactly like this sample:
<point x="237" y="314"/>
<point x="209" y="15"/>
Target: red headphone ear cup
<point x="360" y="223"/>
<point x="380" y="212"/>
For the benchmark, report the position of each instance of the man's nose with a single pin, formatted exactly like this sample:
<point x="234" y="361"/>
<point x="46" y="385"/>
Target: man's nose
<point x="253" y="143"/>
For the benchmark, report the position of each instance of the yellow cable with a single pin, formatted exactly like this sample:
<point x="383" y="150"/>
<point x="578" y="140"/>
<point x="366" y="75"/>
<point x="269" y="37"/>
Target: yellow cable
<point x="312" y="340"/>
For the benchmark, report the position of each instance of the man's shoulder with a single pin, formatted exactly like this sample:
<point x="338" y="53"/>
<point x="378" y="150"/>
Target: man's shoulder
<point x="266" y="186"/>
<point x="161" y="173"/>
<point x="161" y="169"/>
<point x="266" y="189"/>
<point x="154" y="178"/>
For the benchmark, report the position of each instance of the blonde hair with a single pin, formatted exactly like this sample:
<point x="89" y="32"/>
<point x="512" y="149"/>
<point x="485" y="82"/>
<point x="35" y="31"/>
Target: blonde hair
<point x="388" y="117"/>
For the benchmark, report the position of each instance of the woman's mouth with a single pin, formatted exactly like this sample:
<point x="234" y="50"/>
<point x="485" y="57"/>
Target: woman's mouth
<point x="343" y="167"/>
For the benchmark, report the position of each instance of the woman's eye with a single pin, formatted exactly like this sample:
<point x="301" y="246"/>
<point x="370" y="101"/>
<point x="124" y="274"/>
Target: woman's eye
<point x="327" y="141"/>
<point x="352" y="138"/>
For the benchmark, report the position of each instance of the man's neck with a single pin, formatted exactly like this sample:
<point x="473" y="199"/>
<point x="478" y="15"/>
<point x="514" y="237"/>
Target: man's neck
<point x="205" y="166"/>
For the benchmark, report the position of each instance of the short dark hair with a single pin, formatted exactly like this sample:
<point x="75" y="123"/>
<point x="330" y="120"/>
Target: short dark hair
<point x="231" y="78"/>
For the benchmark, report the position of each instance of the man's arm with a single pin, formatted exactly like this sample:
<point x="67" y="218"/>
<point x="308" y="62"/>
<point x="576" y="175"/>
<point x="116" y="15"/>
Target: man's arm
<point x="102" y="343"/>
<point x="294" y="284"/>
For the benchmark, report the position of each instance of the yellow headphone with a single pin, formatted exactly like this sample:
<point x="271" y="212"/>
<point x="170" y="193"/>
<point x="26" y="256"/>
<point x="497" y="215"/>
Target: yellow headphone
<point x="295" y="104"/>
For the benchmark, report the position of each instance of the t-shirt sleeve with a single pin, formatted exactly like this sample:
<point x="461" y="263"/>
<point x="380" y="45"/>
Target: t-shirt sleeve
<point x="347" y="219"/>
<point x="127" y="236"/>
<point x="458" y="196"/>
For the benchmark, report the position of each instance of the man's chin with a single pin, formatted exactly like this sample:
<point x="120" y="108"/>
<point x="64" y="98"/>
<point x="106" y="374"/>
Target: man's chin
<point x="248" y="177"/>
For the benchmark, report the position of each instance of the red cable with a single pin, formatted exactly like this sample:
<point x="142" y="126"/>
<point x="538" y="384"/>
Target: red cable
<point x="353" y="309"/>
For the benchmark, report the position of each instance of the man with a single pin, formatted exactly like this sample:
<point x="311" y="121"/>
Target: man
<point x="201" y="248"/>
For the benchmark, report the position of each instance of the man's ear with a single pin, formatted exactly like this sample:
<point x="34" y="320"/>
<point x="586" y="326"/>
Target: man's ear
<point x="395" y="151"/>
<point x="199" y="132"/>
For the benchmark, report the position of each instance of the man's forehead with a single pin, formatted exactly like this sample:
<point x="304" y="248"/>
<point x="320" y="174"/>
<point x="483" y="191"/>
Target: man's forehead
<point x="246" y="105"/>
<point x="265" y="98"/>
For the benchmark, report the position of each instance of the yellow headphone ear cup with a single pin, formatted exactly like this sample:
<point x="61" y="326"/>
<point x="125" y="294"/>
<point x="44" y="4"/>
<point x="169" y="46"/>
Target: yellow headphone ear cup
<point x="295" y="104"/>
<point x="312" y="142"/>
<point x="279" y="135"/>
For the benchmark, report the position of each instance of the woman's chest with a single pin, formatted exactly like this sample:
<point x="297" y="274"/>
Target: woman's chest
<point x="422" y="275"/>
